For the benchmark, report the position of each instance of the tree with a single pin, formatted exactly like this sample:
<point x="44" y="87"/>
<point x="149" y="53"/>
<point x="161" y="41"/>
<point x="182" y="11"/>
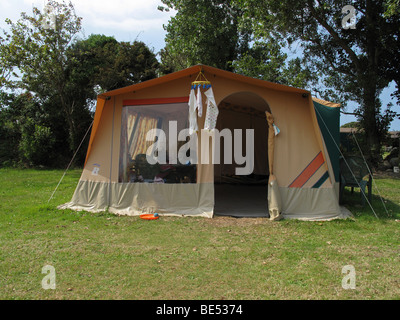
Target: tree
<point x="393" y="11"/>
<point x="353" y="63"/>
<point x="203" y="31"/>
<point x="35" y="53"/>
<point x="26" y="134"/>
<point x="265" y="60"/>
<point x="218" y="34"/>
<point x="353" y="124"/>
<point x="110" y="64"/>
<point x="62" y="74"/>
<point x="392" y="8"/>
<point x="9" y="134"/>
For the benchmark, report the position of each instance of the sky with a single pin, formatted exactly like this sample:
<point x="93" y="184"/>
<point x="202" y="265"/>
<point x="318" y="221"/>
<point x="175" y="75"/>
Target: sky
<point x="130" y="20"/>
<point x="126" y="20"/>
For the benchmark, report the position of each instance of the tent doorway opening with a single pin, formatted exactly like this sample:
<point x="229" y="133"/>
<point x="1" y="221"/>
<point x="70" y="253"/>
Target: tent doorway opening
<point x="243" y="195"/>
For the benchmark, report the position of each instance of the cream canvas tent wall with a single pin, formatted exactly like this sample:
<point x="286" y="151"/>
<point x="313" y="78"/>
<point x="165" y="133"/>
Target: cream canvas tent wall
<point x="293" y="176"/>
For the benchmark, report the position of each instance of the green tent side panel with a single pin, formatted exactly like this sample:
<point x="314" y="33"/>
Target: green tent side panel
<point x="329" y="123"/>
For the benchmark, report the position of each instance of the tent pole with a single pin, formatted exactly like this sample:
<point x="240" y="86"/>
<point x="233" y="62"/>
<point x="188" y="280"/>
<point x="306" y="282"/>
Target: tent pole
<point x="111" y="157"/>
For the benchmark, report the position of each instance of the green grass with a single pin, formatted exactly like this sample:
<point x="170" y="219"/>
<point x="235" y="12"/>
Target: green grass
<point x="103" y="256"/>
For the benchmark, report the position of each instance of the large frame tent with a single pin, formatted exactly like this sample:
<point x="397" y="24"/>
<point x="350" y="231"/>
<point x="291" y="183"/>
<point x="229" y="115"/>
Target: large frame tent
<point x="295" y="162"/>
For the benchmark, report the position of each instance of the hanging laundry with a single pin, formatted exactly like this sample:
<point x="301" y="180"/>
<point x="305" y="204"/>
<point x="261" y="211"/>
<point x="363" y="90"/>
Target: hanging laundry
<point x="192" y="112"/>
<point x="196" y="102"/>
<point x="199" y="102"/>
<point x="212" y="111"/>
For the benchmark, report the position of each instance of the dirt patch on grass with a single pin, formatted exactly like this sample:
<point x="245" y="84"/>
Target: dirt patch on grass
<point x="231" y="221"/>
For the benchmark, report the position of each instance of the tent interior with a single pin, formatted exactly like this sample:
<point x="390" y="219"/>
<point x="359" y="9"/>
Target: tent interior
<point x="139" y="136"/>
<point x="243" y="110"/>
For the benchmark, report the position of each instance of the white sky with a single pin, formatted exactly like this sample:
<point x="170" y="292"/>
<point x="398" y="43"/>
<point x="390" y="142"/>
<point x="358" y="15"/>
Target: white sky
<point x="127" y="20"/>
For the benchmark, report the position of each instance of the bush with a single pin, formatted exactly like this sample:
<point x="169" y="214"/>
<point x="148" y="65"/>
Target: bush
<point x="36" y="144"/>
<point x="9" y="139"/>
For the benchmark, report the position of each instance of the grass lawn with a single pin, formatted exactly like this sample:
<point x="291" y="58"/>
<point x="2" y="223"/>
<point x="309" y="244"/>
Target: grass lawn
<point x="103" y="256"/>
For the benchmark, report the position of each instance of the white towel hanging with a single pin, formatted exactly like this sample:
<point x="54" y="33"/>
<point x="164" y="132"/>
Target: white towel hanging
<point x="192" y="113"/>
<point x="212" y="111"/>
<point x="199" y="102"/>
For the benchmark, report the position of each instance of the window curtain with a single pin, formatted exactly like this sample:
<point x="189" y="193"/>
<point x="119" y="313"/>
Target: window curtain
<point x="133" y="139"/>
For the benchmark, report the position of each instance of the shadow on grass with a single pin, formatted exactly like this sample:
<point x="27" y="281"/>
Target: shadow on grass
<point x="384" y="207"/>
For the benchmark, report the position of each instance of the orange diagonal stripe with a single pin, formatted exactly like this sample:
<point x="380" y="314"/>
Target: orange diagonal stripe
<point x="308" y="171"/>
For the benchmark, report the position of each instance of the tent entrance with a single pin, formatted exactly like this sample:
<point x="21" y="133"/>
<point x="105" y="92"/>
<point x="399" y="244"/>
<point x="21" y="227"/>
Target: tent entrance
<point x="236" y="194"/>
<point x="241" y="200"/>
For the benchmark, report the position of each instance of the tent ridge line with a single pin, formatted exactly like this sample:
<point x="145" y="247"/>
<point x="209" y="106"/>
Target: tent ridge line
<point x="103" y="97"/>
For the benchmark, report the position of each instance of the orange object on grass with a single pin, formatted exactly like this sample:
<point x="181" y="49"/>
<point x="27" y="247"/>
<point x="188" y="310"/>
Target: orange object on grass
<point x="149" y="216"/>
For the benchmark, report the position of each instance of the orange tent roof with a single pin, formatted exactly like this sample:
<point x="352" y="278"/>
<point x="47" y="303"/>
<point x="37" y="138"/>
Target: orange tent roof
<point x="194" y="71"/>
<point x="326" y="103"/>
<point x="177" y="75"/>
